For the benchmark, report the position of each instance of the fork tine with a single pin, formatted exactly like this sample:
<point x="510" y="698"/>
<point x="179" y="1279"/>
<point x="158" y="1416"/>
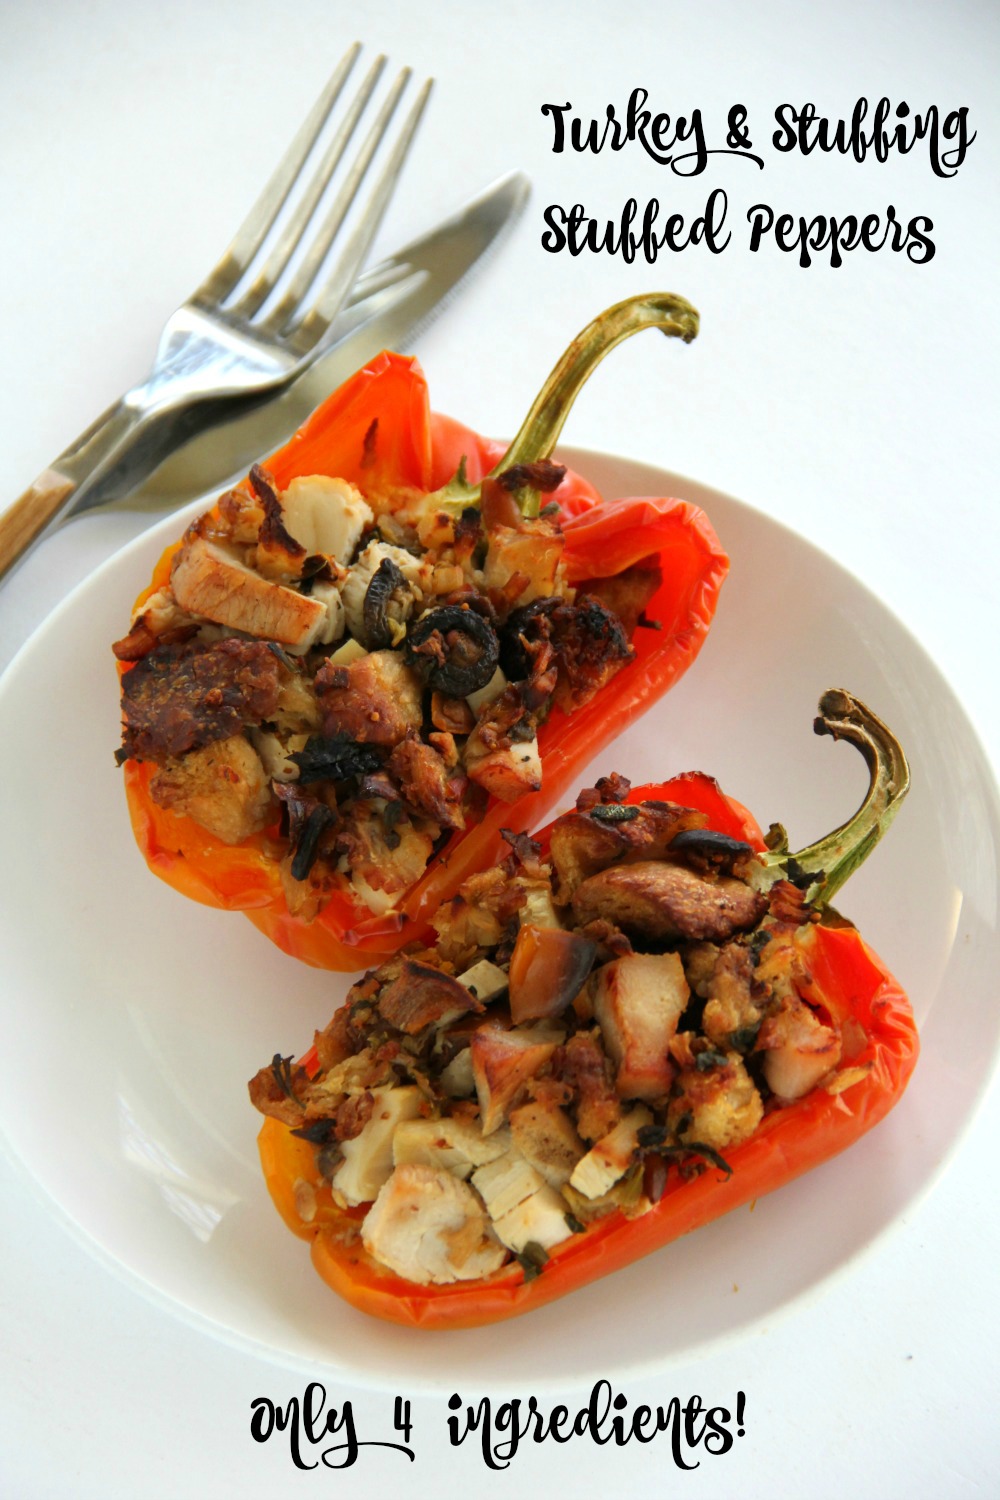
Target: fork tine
<point x="252" y="233"/>
<point x="306" y="328"/>
<point x="327" y="231"/>
<point x="266" y="279"/>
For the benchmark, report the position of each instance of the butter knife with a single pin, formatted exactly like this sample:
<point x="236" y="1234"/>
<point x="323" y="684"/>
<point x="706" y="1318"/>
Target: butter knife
<point x="214" y="441"/>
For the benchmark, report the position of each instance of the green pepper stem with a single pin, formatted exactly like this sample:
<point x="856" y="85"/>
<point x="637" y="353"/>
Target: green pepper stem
<point x="540" y="429"/>
<point x="539" y="432"/>
<point x="833" y="859"/>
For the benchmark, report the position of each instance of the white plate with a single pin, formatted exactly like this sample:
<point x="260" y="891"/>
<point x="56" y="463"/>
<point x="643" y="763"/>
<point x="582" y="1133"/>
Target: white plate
<point x="132" y="1018"/>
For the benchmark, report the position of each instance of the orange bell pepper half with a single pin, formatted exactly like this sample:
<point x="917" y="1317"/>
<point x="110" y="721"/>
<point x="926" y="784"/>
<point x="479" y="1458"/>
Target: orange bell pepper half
<point x="378" y="432"/>
<point x="845" y="978"/>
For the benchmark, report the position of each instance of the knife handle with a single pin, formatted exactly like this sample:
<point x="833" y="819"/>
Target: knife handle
<point x="64" y="485"/>
<point x="24" y="521"/>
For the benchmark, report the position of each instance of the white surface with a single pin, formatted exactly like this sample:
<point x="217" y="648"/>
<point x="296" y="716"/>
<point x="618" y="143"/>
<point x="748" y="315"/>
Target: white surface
<point x="855" y="405"/>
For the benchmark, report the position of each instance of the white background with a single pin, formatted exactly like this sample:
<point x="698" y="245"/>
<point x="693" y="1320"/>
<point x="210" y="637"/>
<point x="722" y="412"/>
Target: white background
<point x="856" y="405"/>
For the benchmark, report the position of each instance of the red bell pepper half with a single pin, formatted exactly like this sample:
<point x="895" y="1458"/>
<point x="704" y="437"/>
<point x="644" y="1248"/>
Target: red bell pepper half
<point x="377" y="431"/>
<point x="842" y="980"/>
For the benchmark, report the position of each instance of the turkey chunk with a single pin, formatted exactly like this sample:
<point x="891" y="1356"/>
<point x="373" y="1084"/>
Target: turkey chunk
<point x="430" y="1228"/>
<point x="325" y="515"/>
<point x="223" y="787"/>
<point x="798" y="1049"/>
<point x="502" y="1063"/>
<point x="367" y="1160"/>
<point x="597" y="1172"/>
<point x="213" y="583"/>
<point x="638" y="1001"/>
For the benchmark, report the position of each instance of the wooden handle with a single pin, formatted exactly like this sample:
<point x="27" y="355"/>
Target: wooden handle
<point x="22" y="521"/>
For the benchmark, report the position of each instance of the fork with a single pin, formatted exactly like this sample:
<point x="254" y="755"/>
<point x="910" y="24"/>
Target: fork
<point x="261" y="315"/>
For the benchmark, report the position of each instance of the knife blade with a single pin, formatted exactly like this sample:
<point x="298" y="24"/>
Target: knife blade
<point x="390" y="306"/>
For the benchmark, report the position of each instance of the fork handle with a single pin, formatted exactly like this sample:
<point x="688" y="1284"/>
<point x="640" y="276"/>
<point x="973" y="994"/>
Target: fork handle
<point x="63" y="487"/>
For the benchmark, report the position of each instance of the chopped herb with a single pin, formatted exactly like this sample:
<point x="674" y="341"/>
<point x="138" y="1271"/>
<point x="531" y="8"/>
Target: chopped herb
<point x="776" y="839"/>
<point x="532" y="1259"/>
<point x="614" y="812"/>
<point x="391" y="815"/>
<point x="281" y="654"/>
<point x="706" y="1060"/>
<point x="573" y="1224"/>
<point x="307" y="842"/>
<point x="743" y="1038"/>
<point x="281" y="1067"/>
<point x="800" y="877"/>
<point x="329" y="1158"/>
<point x="758" y="942"/>
<point x="318" y="1132"/>
<point x="651" y="1137"/>
<point x="698" y="1148"/>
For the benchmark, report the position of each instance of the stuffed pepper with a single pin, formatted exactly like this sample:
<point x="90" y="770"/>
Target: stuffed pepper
<point x="641" y="1019"/>
<point x="390" y="641"/>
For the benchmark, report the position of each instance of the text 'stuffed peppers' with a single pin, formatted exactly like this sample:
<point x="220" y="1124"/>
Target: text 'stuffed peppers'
<point x="643" y="1019"/>
<point x="393" y="640"/>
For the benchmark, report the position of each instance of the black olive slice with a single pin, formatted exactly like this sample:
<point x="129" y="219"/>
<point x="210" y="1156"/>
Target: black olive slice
<point x="716" y="850"/>
<point x="457" y="649"/>
<point x="530" y="622"/>
<point x="386" y="581"/>
<point x="333" y="758"/>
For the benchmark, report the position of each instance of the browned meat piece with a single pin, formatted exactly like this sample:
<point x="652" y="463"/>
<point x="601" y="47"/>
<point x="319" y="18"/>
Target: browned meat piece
<point x="278" y="554"/>
<point x="585" y="842"/>
<point x="788" y="904"/>
<point x="180" y="697"/>
<point x="659" y="901"/>
<point x="426" y="785"/>
<point x="373" y="700"/>
<point x="613" y="788"/>
<point x="451" y="715"/>
<point x="422" y="996"/>
<point x="240" y="516"/>
<point x="223" y="787"/>
<point x="477" y="917"/>
<point x="278" y="1089"/>
<point x="583" y="1065"/>
<point x="160" y="622"/>
<point x="591" y="646"/>
<point x="611" y="941"/>
<point x="628" y="593"/>
<point x="347" y="1033"/>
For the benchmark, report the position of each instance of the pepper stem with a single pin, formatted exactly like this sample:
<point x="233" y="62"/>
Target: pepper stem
<point x="539" y="432"/>
<point x="833" y="859"/>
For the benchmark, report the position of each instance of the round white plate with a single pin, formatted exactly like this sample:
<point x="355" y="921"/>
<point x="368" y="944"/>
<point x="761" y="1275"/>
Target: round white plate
<point x="132" y="1018"/>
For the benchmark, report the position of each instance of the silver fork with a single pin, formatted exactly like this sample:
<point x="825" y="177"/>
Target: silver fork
<point x="226" y="341"/>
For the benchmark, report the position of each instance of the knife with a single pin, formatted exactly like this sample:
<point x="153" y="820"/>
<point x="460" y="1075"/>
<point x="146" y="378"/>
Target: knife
<point x="213" y="442"/>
